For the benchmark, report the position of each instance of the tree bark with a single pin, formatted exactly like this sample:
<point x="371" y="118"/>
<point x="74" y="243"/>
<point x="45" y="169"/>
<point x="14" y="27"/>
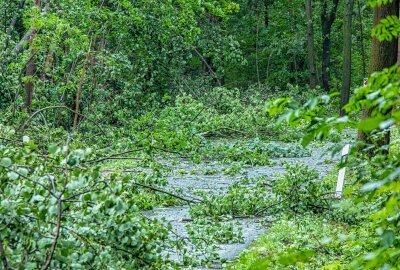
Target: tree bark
<point x="310" y="45"/>
<point x="383" y="55"/>
<point x="267" y="4"/>
<point x="327" y="19"/>
<point x="361" y="40"/>
<point x="47" y="64"/>
<point x="29" y="85"/>
<point x="79" y="90"/>
<point x="31" y="66"/>
<point x="257" y="45"/>
<point x="347" y="45"/>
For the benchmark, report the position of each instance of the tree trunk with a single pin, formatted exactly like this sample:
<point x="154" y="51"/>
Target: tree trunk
<point x="79" y="90"/>
<point x="29" y="85"/>
<point x="361" y="40"/>
<point x="47" y="63"/>
<point x="31" y="67"/>
<point x="327" y="19"/>
<point x="347" y="42"/>
<point x="383" y="55"/>
<point x="267" y="3"/>
<point x="310" y="45"/>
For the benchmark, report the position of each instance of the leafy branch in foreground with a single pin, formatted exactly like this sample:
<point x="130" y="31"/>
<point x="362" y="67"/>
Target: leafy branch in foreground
<point x="71" y="218"/>
<point x="375" y="169"/>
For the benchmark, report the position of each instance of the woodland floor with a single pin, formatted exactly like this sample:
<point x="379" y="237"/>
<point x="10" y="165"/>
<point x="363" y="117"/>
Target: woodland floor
<point x="188" y="178"/>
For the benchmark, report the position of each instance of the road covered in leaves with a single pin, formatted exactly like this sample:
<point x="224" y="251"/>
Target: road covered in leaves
<point x="228" y="206"/>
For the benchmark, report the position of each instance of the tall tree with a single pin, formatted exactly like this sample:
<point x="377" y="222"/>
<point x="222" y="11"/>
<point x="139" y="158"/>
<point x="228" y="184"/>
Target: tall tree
<point x="383" y="55"/>
<point x="347" y="45"/>
<point x="328" y="16"/>
<point x="267" y="4"/>
<point x="310" y="45"/>
<point x="31" y="66"/>
<point x="361" y="39"/>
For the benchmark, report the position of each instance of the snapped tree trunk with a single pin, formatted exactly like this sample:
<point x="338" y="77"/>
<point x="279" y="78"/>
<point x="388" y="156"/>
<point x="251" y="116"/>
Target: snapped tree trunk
<point x="327" y="19"/>
<point x="347" y="42"/>
<point x="383" y="55"/>
<point x="310" y="45"/>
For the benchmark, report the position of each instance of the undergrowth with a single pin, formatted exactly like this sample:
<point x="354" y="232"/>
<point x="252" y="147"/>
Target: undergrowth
<point x="308" y="242"/>
<point x="89" y="188"/>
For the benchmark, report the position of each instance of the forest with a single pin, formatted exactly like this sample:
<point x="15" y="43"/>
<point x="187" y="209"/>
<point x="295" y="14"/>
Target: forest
<point x="199" y="134"/>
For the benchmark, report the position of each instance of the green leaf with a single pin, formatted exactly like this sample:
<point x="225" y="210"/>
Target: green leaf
<point x="6" y="162"/>
<point x="52" y="149"/>
<point x="387" y="238"/>
<point x="37" y="198"/>
<point x="23" y="171"/>
<point x="12" y="176"/>
<point x="371" y="124"/>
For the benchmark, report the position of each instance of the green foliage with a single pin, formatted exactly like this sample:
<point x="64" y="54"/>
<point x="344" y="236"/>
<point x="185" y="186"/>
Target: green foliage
<point x="311" y="242"/>
<point x="158" y="78"/>
<point x="387" y="28"/>
<point x="245" y="197"/>
<point x="378" y="3"/>
<point x="377" y="172"/>
<point x="301" y="191"/>
<point x="203" y="230"/>
<point x="52" y="201"/>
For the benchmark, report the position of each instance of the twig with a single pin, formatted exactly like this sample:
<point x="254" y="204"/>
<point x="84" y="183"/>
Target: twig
<point x="113" y="156"/>
<point x="56" y="235"/>
<point x="197" y="115"/>
<point x="268" y="207"/>
<point x="3" y="256"/>
<point x="320" y="244"/>
<point x="169" y="193"/>
<point x="87" y="191"/>
<point x="205" y="62"/>
<point x="10" y="140"/>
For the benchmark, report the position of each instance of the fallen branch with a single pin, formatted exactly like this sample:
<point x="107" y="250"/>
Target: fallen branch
<point x="30" y="34"/>
<point x="263" y="210"/>
<point x="114" y="156"/>
<point x="14" y="19"/>
<point x="194" y="201"/>
<point x="11" y="140"/>
<point x="209" y="133"/>
<point x="23" y="126"/>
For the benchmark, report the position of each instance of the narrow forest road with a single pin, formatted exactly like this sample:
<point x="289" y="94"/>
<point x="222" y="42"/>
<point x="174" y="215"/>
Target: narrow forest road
<point x="252" y="228"/>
